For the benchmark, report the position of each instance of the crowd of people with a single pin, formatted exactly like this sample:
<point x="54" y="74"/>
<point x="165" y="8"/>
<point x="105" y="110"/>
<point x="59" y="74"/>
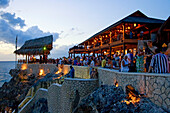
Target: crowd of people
<point x="148" y="59"/>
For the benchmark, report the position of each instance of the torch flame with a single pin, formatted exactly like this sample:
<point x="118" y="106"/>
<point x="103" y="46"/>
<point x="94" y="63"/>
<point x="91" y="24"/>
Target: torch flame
<point x="116" y="84"/>
<point x="57" y="72"/>
<point x="41" y="72"/>
<point x="24" y="67"/>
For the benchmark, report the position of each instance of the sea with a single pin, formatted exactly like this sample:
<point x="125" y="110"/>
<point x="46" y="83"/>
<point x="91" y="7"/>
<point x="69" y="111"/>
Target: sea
<point x="5" y="67"/>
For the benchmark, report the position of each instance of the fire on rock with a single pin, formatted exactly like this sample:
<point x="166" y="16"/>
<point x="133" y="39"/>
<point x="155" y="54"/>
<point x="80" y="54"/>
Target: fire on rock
<point x="112" y="99"/>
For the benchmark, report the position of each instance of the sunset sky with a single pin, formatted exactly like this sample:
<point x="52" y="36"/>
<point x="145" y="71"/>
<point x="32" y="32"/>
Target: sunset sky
<point x="69" y="21"/>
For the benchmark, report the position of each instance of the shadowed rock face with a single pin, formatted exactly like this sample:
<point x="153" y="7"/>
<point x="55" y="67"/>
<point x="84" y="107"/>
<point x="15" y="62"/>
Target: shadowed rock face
<point x="14" y="91"/>
<point x="40" y="106"/>
<point x="109" y="99"/>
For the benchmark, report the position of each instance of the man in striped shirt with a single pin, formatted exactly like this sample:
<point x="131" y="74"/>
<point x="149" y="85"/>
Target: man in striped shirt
<point x="159" y="63"/>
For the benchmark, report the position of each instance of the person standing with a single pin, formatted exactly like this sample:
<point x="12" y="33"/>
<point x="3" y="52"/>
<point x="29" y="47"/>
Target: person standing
<point x="159" y="63"/>
<point x="149" y="52"/>
<point x="140" y="60"/>
<point x="104" y="62"/>
<point x="125" y="64"/>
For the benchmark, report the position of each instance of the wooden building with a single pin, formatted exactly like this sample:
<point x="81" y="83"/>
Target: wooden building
<point x="38" y="46"/>
<point x="120" y="36"/>
<point x="164" y="32"/>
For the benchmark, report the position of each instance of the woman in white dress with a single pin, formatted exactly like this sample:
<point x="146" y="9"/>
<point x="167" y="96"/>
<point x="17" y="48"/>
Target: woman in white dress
<point x="125" y="64"/>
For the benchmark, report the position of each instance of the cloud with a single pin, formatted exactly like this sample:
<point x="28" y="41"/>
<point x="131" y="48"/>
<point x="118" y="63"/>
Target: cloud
<point x="60" y="51"/>
<point x="8" y="33"/>
<point x="4" y="3"/>
<point x="13" y="20"/>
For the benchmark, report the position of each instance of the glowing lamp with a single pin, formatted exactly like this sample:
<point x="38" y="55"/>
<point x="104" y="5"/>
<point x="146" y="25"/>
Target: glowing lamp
<point x="164" y="45"/>
<point x="128" y="27"/>
<point x="134" y="24"/>
<point x="44" y="48"/>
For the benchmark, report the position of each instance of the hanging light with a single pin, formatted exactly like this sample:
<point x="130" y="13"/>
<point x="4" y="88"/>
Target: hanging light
<point x="134" y="24"/>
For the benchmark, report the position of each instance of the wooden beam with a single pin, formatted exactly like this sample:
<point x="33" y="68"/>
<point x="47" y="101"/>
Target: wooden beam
<point x="166" y="30"/>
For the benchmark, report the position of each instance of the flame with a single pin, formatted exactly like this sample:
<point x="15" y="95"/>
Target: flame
<point x="57" y="72"/>
<point x="133" y="99"/>
<point x="116" y="84"/>
<point x="41" y="72"/>
<point x="24" y="67"/>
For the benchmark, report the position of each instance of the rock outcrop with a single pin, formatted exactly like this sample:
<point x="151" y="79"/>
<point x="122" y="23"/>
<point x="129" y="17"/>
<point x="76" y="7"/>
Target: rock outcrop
<point x="109" y="99"/>
<point x="14" y="91"/>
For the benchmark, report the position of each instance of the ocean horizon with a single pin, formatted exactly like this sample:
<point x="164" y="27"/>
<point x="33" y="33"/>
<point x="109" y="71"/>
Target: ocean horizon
<point x="5" y="67"/>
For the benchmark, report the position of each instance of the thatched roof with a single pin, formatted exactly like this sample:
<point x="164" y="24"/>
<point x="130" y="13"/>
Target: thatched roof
<point x="136" y="17"/>
<point x="35" y="46"/>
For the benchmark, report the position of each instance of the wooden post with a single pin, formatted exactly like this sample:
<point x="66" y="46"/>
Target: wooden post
<point x="123" y="38"/>
<point x="94" y="53"/>
<point x="84" y="46"/>
<point x="168" y="37"/>
<point x="110" y="37"/>
<point x="123" y="32"/>
<point x="110" y="51"/>
<point x="26" y="59"/>
<point x="94" y="44"/>
<point x="123" y="48"/>
<point x="101" y="40"/>
<point x="149" y="34"/>
<point x="101" y="52"/>
<point x="74" y="53"/>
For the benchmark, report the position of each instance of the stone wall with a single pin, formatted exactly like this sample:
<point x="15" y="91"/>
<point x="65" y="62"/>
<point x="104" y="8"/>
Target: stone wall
<point x="155" y="86"/>
<point x="35" y="68"/>
<point x="61" y="97"/>
<point x="80" y="71"/>
<point x="41" y="93"/>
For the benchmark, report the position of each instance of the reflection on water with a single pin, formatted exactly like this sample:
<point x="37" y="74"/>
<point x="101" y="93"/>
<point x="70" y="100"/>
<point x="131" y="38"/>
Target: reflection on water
<point x="5" y="67"/>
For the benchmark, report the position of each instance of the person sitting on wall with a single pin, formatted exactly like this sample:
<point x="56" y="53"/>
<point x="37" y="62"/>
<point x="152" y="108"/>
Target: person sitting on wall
<point x="92" y="72"/>
<point x="96" y="74"/>
<point x="71" y="73"/>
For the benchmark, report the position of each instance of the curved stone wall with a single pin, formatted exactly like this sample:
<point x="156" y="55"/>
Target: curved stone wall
<point x="61" y="97"/>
